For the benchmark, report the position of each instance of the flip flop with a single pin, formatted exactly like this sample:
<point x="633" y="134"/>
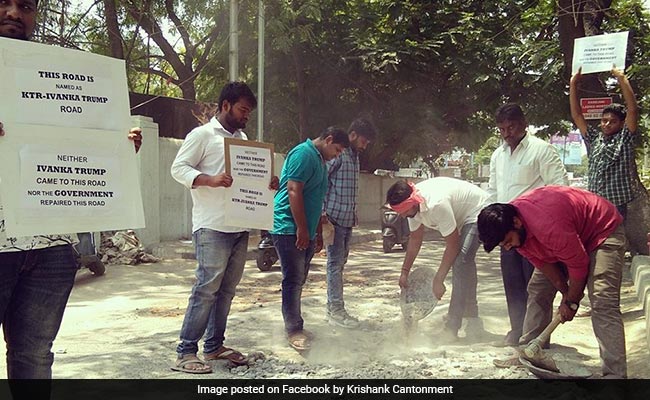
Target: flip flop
<point x="225" y="353"/>
<point x="300" y="340"/>
<point x="182" y="363"/>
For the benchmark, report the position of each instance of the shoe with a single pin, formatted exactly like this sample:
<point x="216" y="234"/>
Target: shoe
<point x="191" y="364"/>
<point x="300" y="340"/>
<point x="342" y="318"/>
<point x="224" y="353"/>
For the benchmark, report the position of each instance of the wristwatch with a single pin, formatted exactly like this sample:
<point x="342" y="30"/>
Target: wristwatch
<point x="573" y="306"/>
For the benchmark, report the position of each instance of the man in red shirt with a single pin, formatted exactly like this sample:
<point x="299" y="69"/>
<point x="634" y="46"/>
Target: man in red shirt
<point x="574" y="239"/>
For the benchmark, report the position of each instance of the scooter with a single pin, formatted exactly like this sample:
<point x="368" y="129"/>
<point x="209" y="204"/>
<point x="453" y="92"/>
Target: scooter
<point x="87" y="254"/>
<point x="266" y="254"/>
<point x="394" y="229"/>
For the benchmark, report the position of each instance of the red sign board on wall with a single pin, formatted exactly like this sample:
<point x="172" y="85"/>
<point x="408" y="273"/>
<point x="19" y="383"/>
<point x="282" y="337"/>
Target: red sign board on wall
<point x="592" y="108"/>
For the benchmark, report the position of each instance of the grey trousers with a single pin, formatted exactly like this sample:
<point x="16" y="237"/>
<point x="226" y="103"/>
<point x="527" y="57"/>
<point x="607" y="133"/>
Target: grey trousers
<point x="604" y="288"/>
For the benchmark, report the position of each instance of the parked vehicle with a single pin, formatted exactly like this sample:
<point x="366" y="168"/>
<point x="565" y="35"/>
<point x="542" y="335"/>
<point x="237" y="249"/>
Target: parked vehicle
<point x="266" y="254"/>
<point x="394" y="229"/>
<point x="87" y="254"/>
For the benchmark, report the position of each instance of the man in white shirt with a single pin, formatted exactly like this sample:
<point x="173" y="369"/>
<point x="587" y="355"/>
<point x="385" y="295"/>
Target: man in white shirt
<point x="220" y="249"/>
<point x="451" y="207"/>
<point x="523" y="162"/>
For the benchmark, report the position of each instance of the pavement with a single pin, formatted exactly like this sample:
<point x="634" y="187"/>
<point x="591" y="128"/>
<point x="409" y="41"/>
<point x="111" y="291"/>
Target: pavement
<point x="125" y="324"/>
<point x="185" y="250"/>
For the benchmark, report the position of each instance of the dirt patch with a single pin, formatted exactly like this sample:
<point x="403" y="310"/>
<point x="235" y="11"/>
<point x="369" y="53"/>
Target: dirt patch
<point x="126" y="323"/>
<point x="160" y="312"/>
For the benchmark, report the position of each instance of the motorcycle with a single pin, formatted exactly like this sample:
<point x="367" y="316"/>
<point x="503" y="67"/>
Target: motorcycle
<point x="394" y="229"/>
<point x="266" y="254"/>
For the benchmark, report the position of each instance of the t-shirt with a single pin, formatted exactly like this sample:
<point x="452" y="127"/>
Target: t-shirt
<point x="448" y="205"/>
<point x="304" y="164"/>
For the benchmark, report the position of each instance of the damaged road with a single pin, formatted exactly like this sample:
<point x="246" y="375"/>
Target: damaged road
<point x="125" y="324"/>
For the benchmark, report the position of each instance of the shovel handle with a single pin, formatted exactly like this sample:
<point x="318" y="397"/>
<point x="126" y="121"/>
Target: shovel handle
<point x="534" y="348"/>
<point x="546" y="333"/>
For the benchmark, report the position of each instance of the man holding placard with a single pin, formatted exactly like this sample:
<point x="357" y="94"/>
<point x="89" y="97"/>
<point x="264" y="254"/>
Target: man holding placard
<point x="37" y="272"/>
<point x="611" y="149"/>
<point x="200" y="165"/>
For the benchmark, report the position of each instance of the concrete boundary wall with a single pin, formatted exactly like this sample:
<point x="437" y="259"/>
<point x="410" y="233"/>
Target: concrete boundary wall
<point x="640" y="271"/>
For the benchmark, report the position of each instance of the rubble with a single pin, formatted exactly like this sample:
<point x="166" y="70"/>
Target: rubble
<point x="123" y="247"/>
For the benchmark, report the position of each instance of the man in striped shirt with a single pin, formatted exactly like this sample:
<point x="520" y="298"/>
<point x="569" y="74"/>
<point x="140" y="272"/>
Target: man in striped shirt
<point x="340" y="208"/>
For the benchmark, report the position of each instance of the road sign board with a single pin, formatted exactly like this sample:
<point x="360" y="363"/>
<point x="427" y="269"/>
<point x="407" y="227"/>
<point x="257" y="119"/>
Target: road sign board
<point x="592" y="108"/>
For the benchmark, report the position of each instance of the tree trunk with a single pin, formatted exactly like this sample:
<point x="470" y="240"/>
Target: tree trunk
<point x="579" y="18"/>
<point x="300" y="92"/>
<point x="114" y="34"/>
<point x="187" y="86"/>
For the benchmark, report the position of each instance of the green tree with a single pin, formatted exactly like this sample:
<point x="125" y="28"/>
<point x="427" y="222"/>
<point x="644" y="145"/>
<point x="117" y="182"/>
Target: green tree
<point x="429" y="74"/>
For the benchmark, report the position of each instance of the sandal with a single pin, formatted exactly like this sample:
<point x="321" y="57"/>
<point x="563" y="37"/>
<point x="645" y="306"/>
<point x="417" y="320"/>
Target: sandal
<point x="225" y="353"/>
<point x="183" y="363"/>
<point x="508" y="362"/>
<point x="300" y="340"/>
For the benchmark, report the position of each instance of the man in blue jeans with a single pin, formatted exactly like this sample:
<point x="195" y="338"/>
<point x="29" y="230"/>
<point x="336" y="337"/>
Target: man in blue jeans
<point x="449" y="206"/>
<point x="200" y="165"/>
<point x="36" y="273"/>
<point x="341" y="211"/>
<point x="297" y="210"/>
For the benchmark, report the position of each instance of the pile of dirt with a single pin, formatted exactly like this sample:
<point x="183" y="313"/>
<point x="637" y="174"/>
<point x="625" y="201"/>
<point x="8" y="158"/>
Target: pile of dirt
<point x="123" y="247"/>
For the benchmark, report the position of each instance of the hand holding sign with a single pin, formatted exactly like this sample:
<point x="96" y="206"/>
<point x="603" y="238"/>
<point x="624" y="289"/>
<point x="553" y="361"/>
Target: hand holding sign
<point x="598" y="53"/>
<point x="618" y="73"/>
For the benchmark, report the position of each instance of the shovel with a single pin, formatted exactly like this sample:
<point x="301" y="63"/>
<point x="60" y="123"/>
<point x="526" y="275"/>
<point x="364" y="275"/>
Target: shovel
<point x="534" y="354"/>
<point x="543" y="366"/>
<point x="417" y="300"/>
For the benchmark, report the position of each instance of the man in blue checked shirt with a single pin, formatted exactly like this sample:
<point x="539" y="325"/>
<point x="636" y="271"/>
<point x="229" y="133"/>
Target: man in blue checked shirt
<point x="341" y="210"/>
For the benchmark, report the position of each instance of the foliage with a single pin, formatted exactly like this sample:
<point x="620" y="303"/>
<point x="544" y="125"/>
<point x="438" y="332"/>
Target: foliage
<point x="429" y="74"/>
<point x="581" y="169"/>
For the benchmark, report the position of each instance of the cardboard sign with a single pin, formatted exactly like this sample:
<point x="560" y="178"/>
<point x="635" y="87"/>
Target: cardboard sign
<point x="66" y="164"/>
<point x="249" y="201"/>
<point x="599" y="53"/>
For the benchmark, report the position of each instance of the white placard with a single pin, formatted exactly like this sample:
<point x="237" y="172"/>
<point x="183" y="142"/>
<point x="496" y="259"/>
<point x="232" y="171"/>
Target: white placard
<point x="599" y="53"/>
<point x="249" y="201"/>
<point x="66" y="164"/>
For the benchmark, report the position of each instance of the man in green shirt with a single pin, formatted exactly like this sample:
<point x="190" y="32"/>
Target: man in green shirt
<point x="297" y="211"/>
